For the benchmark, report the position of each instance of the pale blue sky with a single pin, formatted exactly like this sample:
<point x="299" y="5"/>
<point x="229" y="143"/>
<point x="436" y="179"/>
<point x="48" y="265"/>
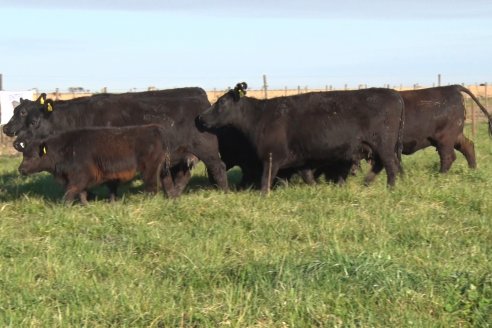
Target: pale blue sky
<point x="214" y="44"/>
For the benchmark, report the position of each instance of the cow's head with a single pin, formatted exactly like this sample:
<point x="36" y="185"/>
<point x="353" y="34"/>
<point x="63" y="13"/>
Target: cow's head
<point x="35" y="157"/>
<point x="28" y="114"/>
<point x="226" y="110"/>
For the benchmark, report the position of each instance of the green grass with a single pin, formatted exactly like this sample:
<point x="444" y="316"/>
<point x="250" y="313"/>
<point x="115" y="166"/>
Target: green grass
<point x="353" y="256"/>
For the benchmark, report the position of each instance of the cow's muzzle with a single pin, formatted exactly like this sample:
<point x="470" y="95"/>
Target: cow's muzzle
<point x="202" y="122"/>
<point x="19" y="145"/>
<point x="7" y="131"/>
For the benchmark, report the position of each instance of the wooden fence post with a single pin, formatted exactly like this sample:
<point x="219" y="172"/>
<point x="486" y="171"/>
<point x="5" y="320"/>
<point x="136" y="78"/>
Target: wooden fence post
<point x="474" y="123"/>
<point x="265" y="86"/>
<point x="485" y="93"/>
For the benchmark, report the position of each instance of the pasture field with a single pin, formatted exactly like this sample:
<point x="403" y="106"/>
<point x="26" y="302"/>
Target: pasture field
<point x="419" y="255"/>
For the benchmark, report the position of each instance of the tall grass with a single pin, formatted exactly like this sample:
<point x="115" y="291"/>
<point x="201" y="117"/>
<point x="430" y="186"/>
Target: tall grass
<point x="419" y="255"/>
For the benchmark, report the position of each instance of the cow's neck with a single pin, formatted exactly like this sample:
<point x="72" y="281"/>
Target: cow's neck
<point x="251" y="113"/>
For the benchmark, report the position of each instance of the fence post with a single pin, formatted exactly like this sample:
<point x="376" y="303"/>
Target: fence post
<point x="265" y="86"/>
<point x="485" y="85"/>
<point x="439" y="79"/>
<point x="485" y="93"/>
<point x="474" y="123"/>
<point x="298" y="89"/>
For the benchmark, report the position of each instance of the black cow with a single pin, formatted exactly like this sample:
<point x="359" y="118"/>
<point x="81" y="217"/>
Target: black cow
<point x="40" y="118"/>
<point x="436" y="117"/>
<point x="433" y="117"/>
<point x="84" y="158"/>
<point x="314" y="129"/>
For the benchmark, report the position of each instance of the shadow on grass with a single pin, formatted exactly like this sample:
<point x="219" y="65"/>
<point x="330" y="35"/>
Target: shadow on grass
<point x="13" y="186"/>
<point x="200" y="182"/>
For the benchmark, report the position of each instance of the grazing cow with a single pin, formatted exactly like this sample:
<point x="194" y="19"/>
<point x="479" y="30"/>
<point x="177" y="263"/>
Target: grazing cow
<point x="40" y="118"/>
<point x="85" y="158"/>
<point x="314" y="129"/>
<point x="436" y="117"/>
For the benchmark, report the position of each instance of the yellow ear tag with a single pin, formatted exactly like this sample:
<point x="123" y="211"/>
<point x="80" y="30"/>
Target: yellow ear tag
<point x="50" y="108"/>
<point x="44" y="150"/>
<point x="41" y="101"/>
<point x="241" y="93"/>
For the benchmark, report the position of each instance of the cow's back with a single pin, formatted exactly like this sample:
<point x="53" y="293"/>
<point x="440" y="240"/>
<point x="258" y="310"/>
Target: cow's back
<point x="334" y="123"/>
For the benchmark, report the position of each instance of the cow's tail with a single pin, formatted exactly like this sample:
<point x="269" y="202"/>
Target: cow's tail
<point x="482" y="108"/>
<point x="399" y="144"/>
<point x="163" y="168"/>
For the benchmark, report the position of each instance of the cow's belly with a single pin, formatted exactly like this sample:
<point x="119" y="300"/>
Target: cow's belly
<point x="320" y="153"/>
<point x="410" y="146"/>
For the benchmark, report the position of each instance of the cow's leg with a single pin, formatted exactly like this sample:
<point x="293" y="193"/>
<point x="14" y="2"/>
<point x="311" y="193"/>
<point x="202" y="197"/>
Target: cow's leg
<point x="150" y="179"/>
<point x="376" y="168"/>
<point x="332" y="173"/>
<point x="71" y="192"/>
<point x="216" y="168"/>
<point x="181" y="177"/>
<point x="250" y="178"/>
<point x="112" y="187"/>
<point x="317" y="173"/>
<point x="392" y="167"/>
<point x="77" y="183"/>
<point x="338" y="173"/>
<point x="355" y="167"/>
<point x="467" y="148"/>
<point x="446" y="155"/>
<point x="343" y="173"/>
<point x="151" y="174"/>
<point x="208" y="153"/>
<point x="83" y="197"/>
<point x="307" y="176"/>
<point x="168" y="184"/>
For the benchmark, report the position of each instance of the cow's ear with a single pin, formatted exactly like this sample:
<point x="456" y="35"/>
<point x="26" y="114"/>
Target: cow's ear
<point x="15" y="103"/>
<point x="48" y="107"/>
<point x="240" y="90"/>
<point x="41" y="99"/>
<point x="43" y="149"/>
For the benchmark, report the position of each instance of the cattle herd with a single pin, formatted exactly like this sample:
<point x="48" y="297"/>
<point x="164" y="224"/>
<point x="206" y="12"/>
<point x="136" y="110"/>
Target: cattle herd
<point x="161" y="135"/>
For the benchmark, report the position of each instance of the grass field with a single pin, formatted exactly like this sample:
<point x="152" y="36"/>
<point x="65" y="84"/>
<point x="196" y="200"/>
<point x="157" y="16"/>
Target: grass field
<point x="416" y="256"/>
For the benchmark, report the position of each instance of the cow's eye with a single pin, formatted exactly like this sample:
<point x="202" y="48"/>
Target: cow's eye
<point x="34" y="122"/>
<point x="23" y="113"/>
